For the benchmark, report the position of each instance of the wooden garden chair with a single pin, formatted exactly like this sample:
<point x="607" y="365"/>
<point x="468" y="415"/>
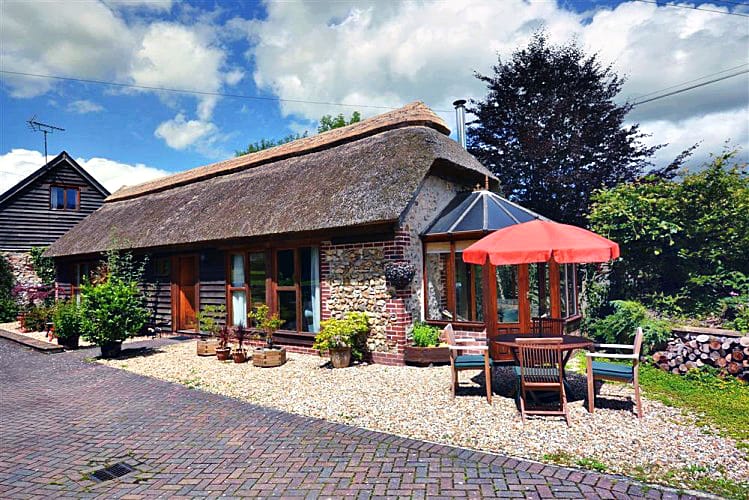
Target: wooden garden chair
<point x="460" y="361"/>
<point x="541" y="369"/>
<point x="548" y="327"/>
<point x="600" y="370"/>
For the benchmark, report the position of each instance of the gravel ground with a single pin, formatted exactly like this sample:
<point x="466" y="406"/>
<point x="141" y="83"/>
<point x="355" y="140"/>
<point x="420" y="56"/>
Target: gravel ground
<point x="16" y="328"/>
<point x="415" y="402"/>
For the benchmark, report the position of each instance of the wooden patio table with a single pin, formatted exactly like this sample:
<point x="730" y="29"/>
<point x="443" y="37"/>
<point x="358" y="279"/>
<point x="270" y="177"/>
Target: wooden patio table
<point x="569" y="344"/>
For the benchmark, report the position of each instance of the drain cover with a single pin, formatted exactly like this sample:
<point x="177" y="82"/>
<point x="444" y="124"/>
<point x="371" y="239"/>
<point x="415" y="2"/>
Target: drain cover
<point x="113" y="471"/>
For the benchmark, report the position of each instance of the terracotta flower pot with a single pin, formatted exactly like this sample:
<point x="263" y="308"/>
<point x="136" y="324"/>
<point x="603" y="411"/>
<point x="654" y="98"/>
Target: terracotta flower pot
<point x="223" y="353"/>
<point x="239" y="355"/>
<point x="111" y="349"/>
<point x="341" y="357"/>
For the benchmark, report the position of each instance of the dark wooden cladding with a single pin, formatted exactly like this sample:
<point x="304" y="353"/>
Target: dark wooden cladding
<point x="157" y="289"/>
<point x="26" y="219"/>
<point x="212" y="278"/>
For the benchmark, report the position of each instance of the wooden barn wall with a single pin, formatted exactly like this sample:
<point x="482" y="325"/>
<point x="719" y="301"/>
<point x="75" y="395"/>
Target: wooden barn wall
<point x="27" y="221"/>
<point x="158" y="290"/>
<point x="212" y="278"/>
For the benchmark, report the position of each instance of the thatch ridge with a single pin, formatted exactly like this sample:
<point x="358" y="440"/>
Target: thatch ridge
<point x="413" y="114"/>
<point x="364" y="182"/>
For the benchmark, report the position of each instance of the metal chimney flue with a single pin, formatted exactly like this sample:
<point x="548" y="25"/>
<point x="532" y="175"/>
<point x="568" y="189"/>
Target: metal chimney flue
<point x="460" y="121"/>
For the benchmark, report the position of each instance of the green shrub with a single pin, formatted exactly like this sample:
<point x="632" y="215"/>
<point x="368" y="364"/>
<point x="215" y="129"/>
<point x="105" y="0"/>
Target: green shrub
<point x="44" y="267"/>
<point x="350" y="331"/>
<point x="8" y="306"/>
<point x="425" y="335"/>
<point x="209" y="319"/>
<point x="36" y="317"/>
<point x="621" y="326"/>
<point x="68" y="320"/>
<point x="112" y="311"/>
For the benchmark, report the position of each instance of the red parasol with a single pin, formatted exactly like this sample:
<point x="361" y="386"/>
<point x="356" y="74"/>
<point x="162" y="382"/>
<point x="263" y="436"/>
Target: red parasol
<point x="540" y="241"/>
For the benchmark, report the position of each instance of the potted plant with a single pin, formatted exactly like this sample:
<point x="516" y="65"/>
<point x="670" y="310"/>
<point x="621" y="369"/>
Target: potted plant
<point x="209" y="325"/>
<point x="239" y="354"/>
<point x="223" y="350"/>
<point x="426" y="349"/>
<point x="68" y="323"/>
<point x="339" y="338"/>
<point x="113" y="308"/>
<point x="267" y="323"/>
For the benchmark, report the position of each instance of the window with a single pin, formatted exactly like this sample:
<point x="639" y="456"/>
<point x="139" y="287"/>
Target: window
<point x="468" y="291"/>
<point x="298" y="288"/>
<point x="64" y="198"/>
<point x="507" y="294"/>
<point x="436" y="271"/>
<point x="454" y="289"/>
<point x="538" y="290"/>
<point x="237" y="289"/>
<point x="568" y="290"/>
<point x="162" y="267"/>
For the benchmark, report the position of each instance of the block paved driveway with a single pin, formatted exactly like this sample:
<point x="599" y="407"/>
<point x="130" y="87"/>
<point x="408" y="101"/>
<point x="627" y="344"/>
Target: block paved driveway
<point x="63" y="417"/>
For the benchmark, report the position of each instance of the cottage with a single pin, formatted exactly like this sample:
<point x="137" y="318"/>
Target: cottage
<point x="42" y="207"/>
<point x="308" y="228"/>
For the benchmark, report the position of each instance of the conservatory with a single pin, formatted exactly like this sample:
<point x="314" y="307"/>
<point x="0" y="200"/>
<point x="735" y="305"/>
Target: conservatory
<point x="525" y="298"/>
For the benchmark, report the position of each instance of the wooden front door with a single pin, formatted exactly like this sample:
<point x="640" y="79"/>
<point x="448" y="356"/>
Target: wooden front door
<point x="185" y="298"/>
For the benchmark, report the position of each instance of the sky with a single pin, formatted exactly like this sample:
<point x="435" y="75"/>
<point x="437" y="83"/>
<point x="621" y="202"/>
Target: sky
<point x="293" y="62"/>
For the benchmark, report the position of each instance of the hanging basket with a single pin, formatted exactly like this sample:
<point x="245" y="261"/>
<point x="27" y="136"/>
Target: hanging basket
<point x="399" y="274"/>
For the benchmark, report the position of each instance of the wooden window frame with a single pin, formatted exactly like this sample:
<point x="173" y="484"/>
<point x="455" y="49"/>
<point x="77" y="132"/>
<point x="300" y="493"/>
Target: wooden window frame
<point x="452" y="296"/>
<point x="65" y="188"/>
<point x="271" y="280"/>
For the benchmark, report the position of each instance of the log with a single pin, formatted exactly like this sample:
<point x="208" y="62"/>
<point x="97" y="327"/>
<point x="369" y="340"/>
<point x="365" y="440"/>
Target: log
<point x="727" y="345"/>
<point x="699" y="363"/>
<point x="692" y="356"/>
<point x="721" y="362"/>
<point x="733" y="368"/>
<point x="705" y="347"/>
<point x="692" y="344"/>
<point x="737" y="355"/>
<point x="744" y="341"/>
<point x="703" y="338"/>
<point x="704" y="356"/>
<point x="714" y="356"/>
<point x="683" y="368"/>
<point x="715" y="344"/>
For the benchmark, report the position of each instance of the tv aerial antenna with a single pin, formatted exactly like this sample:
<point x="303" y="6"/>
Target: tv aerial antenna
<point x="45" y="129"/>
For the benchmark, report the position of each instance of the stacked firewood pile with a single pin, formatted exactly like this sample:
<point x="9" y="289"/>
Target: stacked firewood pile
<point x="728" y="354"/>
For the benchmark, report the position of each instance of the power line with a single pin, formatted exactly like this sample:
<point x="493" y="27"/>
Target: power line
<point x="200" y="92"/>
<point x="690" y="81"/>
<point x="637" y="103"/>
<point x="729" y="13"/>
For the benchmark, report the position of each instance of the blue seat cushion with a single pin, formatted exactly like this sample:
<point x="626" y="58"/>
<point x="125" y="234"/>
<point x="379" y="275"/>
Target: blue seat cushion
<point x="611" y="370"/>
<point x="471" y="361"/>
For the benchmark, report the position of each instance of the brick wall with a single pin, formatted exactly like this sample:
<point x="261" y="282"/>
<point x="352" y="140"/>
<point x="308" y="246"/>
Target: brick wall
<point x="353" y="279"/>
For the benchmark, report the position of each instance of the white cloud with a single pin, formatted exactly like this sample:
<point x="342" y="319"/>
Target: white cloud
<point x="92" y="39"/>
<point x="84" y="106"/>
<point x="180" y="133"/>
<point x="84" y="39"/>
<point x="714" y="130"/>
<point x="18" y="163"/>
<point x="390" y="53"/>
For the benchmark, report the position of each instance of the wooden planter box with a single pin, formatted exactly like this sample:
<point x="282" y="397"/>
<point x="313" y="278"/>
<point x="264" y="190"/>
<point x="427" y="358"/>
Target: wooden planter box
<point x="207" y="347"/>
<point x="268" y="358"/>
<point x="425" y="356"/>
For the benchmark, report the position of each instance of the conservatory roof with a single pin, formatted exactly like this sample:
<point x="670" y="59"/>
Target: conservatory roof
<point x="479" y="211"/>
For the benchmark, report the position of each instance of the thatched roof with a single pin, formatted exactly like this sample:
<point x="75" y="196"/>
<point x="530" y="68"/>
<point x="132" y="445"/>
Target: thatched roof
<point x="416" y="113"/>
<point x="368" y="179"/>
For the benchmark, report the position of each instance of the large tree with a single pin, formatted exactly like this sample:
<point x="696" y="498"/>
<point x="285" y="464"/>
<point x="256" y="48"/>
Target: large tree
<point x="550" y="130"/>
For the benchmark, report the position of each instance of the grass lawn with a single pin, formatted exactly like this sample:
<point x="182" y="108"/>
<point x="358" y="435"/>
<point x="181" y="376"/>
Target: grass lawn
<point x="720" y="403"/>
